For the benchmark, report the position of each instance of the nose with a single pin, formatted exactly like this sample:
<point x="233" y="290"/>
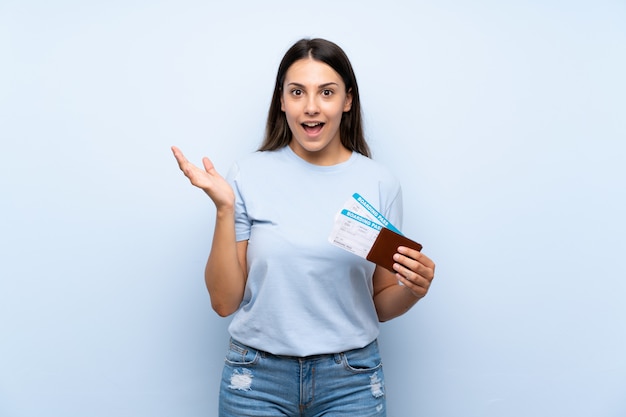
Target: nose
<point x="312" y="106"/>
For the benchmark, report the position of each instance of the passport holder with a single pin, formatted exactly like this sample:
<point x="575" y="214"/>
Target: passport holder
<point x="386" y="245"/>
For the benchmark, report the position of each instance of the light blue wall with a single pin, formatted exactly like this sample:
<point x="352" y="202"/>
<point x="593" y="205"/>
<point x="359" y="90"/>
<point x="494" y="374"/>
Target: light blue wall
<point x="506" y="122"/>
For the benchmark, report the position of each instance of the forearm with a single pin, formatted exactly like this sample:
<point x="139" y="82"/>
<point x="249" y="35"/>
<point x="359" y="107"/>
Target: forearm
<point x="394" y="301"/>
<point x="225" y="276"/>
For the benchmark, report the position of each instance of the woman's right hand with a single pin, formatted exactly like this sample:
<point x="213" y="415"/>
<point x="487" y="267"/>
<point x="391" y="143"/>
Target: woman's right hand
<point x="207" y="179"/>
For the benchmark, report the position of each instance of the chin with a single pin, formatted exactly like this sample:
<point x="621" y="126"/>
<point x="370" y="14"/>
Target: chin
<point x="312" y="146"/>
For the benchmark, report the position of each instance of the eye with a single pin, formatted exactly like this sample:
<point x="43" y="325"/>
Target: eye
<point x="296" y="92"/>
<point x="327" y="93"/>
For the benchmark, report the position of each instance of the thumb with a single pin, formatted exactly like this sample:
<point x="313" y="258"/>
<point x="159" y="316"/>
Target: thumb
<point x="208" y="165"/>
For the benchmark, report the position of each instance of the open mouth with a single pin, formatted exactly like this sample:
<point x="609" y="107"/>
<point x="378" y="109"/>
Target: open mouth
<point x="312" y="127"/>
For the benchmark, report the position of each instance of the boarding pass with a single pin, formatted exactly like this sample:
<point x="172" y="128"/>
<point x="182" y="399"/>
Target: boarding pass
<point x="357" y="225"/>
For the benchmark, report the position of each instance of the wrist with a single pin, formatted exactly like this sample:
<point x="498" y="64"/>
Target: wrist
<point x="225" y="211"/>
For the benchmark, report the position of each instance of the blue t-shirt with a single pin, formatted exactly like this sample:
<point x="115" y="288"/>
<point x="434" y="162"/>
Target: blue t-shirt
<point x="305" y="296"/>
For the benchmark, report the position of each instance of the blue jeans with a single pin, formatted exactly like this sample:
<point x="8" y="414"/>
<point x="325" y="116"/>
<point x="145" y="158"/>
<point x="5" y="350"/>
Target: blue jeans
<point x="347" y="384"/>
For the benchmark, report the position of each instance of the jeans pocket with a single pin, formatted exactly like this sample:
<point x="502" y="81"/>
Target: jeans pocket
<point x="239" y="354"/>
<point x="366" y="359"/>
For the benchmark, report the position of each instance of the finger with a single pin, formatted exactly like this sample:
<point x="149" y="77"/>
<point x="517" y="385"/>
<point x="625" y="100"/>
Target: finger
<point x="180" y="158"/>
<point x="409" y="263"/>
<point x="191" y="171"/>
<point x="410" y="273"/>
<point x="413" y="282"/>
<point x="414" y="270"/>
<point x="416" y="255"/>
<point x="416" y="283"/>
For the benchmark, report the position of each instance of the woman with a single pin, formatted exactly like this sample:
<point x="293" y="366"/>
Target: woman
<point x="306" y="313"/>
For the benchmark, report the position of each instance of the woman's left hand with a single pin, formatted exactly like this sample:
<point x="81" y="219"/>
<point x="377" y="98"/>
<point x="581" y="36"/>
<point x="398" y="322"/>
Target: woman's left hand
<point x="414" y="269"/>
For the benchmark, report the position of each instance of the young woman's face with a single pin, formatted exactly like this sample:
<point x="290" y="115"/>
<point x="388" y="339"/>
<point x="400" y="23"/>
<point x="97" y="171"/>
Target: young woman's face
<point x="314" y="98"/>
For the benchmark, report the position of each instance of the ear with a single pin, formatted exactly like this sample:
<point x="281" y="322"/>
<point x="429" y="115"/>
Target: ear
<point x="282" y="103"/>
<point x="348" y="103"/>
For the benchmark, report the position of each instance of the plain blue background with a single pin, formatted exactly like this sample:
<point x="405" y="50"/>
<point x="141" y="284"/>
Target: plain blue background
<point x="504" y="120"/>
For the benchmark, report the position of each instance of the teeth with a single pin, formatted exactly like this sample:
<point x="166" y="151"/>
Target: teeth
<point x="311" y="124"/>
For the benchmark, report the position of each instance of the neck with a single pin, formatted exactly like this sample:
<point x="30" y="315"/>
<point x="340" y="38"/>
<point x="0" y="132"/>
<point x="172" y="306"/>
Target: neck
<point x="324" y="157"/>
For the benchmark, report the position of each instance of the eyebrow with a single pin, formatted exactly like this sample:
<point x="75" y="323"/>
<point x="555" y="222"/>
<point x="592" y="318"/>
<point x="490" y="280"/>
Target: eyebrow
<point x="294" y="84"/>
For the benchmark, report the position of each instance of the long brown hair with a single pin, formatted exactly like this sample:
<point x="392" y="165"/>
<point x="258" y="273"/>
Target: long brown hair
<point x="277" y="132"/>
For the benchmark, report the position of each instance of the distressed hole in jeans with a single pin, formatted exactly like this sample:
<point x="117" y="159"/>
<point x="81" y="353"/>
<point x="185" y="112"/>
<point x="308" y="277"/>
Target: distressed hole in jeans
<point x="241" y="380"/>
<point x="376" y="385"/>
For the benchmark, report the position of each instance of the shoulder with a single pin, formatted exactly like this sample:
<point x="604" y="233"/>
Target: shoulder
<point x="265" y="159"/>
<point x="377" y="170"/>
<point x="250" y="165"/>
<point x="256" y="159"/>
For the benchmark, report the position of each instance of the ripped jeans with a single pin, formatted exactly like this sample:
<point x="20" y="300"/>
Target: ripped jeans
<point x="347" y="384"/>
